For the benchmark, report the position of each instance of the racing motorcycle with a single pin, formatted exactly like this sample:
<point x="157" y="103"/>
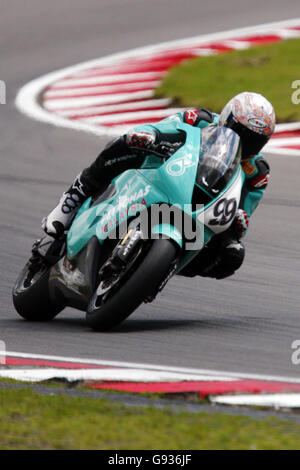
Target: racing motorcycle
<point x="111" y="260"/>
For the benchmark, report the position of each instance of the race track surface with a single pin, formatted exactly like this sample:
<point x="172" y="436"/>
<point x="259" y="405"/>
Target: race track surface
<point x="244" y="324"/>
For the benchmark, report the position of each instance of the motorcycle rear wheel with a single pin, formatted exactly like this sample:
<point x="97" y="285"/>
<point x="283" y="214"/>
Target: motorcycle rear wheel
<point x="129" y="295"/>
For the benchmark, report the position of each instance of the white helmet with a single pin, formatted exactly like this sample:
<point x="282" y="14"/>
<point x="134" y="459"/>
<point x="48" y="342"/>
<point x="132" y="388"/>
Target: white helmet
<point x="252" y="117"/>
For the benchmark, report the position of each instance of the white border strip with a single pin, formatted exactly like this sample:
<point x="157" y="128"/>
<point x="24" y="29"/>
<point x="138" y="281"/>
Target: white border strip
<point x="276" y="400"/>
<point x="113" y="374"/>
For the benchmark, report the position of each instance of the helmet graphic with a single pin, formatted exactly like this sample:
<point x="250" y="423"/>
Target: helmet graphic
<point x="252" y="117"/>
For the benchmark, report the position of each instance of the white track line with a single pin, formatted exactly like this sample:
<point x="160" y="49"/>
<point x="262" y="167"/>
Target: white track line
<point x="276" y="400"/>
<point x="291" y="126"/>
<point x="120" y="375"/>
<point x="123" y="117"/>
<point x="116" y="108"/>
<point x="286" y="141"/>
<point x="214" y="374"/>
<point x="101" y="89"/>
<point x="89" y="100"/>
<point x="128" y="77"/>
<point x="288" y="34"/>
<point x="239" y="45"/>
<point x="280" y="151"/>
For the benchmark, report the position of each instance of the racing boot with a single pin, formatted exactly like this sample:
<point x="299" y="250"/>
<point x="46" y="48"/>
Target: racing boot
<point x="220" y="258"/>
<point x="59" y="220"/>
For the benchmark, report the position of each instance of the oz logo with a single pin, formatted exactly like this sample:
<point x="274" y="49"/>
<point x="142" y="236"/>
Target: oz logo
<point x="178" y="167"/>
<point x="224" y="211"/>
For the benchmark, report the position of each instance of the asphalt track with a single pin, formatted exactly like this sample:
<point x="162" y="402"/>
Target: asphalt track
<point x="244" y="324"/>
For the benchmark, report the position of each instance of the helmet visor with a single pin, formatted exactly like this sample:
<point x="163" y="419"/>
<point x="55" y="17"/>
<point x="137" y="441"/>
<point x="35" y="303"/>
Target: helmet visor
<point x="219" y="158"/>
<point x="252" y="142"/>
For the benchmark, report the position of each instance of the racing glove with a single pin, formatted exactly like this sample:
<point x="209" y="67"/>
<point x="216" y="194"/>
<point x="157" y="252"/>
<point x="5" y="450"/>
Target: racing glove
<point x="146" y="141"/>
<point x="240" y="223"/>
<point x="140" y="140"/>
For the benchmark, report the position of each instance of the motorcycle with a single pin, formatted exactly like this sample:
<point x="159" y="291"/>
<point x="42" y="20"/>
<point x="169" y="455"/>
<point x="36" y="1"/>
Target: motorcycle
<point x="117" y="254"/>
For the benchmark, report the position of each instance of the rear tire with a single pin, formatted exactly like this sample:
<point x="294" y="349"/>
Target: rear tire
<point x="141" y="284"/>
<point x="32" y="301"/>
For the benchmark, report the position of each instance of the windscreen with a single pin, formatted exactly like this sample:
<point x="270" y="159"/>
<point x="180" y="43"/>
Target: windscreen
<point x="220" y="155"/>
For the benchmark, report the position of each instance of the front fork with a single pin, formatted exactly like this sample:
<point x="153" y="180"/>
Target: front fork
<point x="123" y="255"/>
<point x="48" y="250"/>
<point x="123" y="258"/>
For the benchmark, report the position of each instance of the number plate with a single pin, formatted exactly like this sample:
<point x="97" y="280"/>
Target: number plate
<point x="219" y="216"/>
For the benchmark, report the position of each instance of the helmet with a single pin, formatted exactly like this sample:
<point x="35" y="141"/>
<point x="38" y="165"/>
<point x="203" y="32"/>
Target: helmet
<point x="252" y="117"/>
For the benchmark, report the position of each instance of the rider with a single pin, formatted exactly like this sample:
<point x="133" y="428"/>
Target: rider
<point x="250" y="115"/>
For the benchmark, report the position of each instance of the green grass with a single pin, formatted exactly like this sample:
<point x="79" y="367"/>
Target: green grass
<point x="211" y="81"/>
<point x="32" y="421"/>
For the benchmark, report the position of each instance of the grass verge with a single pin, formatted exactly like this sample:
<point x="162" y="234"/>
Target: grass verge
<point x="211" y="81"/>
<point x="32" y="421"/>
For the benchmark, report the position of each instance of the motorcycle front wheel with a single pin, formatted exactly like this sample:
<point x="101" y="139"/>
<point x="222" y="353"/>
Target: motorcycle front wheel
<point x="31" y="295"/>
<point x="107" y="311"/>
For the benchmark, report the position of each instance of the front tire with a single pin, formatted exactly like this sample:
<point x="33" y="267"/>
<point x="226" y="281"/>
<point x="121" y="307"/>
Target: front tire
<point x="141" y="284"/>
<point x="31" y="296"/>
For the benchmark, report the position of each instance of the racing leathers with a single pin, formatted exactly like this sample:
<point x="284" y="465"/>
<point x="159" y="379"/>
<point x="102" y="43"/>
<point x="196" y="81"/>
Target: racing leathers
<point x="225" y="252"/>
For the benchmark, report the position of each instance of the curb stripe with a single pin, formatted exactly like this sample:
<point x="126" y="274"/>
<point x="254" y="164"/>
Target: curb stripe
<point x="107" y="91"/>
<point x="119" y="106"/>
<point x="101" y="111"/>
<point x="213" y="374"/>
<point x="102" y="81"/>
<point x="203" y="388"/>
<point x="123" y="118"/>
<point x="88" y="101"/>
<point x="17" y="361"/>
<point x="91" y="82"/>
<point x="146" y="378"/>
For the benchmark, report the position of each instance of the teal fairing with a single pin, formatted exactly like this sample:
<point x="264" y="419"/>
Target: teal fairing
<point x="210" y="155"/>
